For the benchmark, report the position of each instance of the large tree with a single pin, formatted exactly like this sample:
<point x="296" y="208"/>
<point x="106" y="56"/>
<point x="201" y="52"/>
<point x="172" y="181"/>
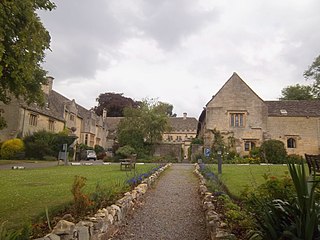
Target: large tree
<point x="23" y="41"/>
<point x="114" y="103"/>
<point x="313" y="73"/>
<point x="297" y="92"/>
<point x="143" y="125"/>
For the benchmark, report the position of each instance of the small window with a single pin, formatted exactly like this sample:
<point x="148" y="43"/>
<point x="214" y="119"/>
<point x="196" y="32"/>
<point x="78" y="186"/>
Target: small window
<point x="33" y="120"/>
<point x="51" y="125"/>
<point x="248" y="146"/>
<point x="291" y="143"/>
<point x="237" y="119"/>
<point x="71" y="117"/>
<point x="86" y="139"/>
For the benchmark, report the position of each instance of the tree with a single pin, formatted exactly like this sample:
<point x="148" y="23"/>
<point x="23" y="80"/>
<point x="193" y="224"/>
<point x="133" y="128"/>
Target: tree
<point x="313" y="72"/>
<point x="23" y="41"/>
<point x="114" y="104"/>
<point x="297" y="92"/>
<point x="144" y="125"/>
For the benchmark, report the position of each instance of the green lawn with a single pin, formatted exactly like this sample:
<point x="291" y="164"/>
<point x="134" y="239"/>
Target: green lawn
<point x="237" y="177"/>
<point x="24" y="194"/>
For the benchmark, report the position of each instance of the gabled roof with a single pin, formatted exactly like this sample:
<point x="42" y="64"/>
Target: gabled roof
<point x="183" y="124"/>
<point x="294" y="108"/>
<point x="234" y="77"/>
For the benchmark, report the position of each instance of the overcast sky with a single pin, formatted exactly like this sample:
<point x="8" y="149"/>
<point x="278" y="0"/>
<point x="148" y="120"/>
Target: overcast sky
<point x="180" y="51"/>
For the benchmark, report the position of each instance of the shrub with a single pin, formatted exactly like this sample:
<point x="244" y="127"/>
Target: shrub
<point x="11" y="148"/>
<point x="81" y="200"/>
<point x="294" y="158"/>
<point x="273" y="151"/>
<point x="125" y="151"/>
<point x="43" y="143"/>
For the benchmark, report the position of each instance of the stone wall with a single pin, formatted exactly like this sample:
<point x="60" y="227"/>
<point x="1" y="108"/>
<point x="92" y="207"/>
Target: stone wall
<point x="107" y="220"/>
<point x="170" y="150"/>
<point x="216" y="228"/>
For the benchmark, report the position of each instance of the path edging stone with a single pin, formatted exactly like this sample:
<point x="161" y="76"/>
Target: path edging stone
<point x="215" y="226"/>
<point x="106" y="222"/>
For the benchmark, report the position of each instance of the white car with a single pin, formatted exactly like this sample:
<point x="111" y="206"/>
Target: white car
<point x="91" y="154"/>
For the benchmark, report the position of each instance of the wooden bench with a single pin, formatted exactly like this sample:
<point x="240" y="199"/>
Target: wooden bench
<point x="128" y="163"/>
<point x="313" y="162"/>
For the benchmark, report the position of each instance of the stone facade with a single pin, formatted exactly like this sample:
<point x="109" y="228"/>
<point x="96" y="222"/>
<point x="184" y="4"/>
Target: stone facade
<point x="239" y="113"/>
<point x="58" y="114"/>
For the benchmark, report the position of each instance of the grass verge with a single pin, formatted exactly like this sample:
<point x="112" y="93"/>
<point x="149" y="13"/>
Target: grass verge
<point x="25" y="194"/>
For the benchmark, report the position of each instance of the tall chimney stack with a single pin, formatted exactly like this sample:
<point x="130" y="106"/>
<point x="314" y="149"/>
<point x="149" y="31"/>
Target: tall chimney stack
<point x="185" y="116"/>
<point x="46" y="88"/>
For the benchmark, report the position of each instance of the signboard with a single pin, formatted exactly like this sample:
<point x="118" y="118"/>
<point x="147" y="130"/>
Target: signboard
<point x="207" y="152"/>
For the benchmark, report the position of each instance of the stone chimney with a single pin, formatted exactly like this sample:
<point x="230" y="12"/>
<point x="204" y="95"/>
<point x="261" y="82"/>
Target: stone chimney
<point x="46" y="88"/>
<point x="185" y="116"/>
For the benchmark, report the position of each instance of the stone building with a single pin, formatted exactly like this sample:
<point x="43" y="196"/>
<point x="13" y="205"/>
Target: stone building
<point x="58" y="114"/>
<point x="183" y="130"/>
<point x="239" y="113"/>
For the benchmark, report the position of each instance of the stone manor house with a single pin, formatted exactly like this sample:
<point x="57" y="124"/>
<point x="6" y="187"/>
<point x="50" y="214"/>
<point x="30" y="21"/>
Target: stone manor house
<point x="238" y="112"/>
<point x="58" y="114"/>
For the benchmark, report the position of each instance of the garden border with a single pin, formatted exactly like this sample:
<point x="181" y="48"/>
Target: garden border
<point x="215" y="226"/>
<point x="106" y="222"/>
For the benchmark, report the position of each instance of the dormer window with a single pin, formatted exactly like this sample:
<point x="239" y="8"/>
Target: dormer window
<point x="283" y="112"/>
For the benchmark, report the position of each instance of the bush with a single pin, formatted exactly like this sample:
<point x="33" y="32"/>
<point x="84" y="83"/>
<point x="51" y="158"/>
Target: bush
<point x="294" y="158"/>
<point x="43" y="144"/>
<point x="11" y="148"/>
<point x="125" y="151"/>
<point x="273" y="151"/>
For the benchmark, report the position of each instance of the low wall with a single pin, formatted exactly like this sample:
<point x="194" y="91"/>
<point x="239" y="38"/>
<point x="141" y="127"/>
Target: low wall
<point x="216" y="228"/>
<point x="172" y="150"/>
<point x="107" y="220"/>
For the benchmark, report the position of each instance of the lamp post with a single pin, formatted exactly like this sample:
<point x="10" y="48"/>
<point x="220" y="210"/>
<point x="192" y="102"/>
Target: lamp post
<point x="219" y="162"/>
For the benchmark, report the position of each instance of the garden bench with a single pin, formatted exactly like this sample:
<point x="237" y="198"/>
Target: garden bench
<point x="128" y="163"/>
<point x="313" y="162"/>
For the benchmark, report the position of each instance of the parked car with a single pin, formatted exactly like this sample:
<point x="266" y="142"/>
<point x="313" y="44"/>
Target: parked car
<point x="91" y="154"/>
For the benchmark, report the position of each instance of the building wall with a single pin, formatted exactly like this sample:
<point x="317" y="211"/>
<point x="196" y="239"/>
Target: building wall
<point x="236" y="97"/>
<point x="11" y="114"/>
<point x="305" y="131"/>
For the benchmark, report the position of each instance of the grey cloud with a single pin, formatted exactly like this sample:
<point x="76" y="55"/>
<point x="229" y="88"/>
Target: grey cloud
<point x="80" y="29"/>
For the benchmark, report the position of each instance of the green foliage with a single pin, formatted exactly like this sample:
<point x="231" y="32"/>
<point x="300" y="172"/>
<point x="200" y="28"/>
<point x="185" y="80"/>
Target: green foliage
<point x="197" y="141"/>
<point x="44" y="144"/>
<point x="273" y="151"/>
<point x="23" y="41"/>
<point x="98" y="149"/>
<point x="11" y="148"/>
<point x="294" y="158"/>
<point x="81" y="200"/>
<point x="295" y="217"/>
<point x="313" y="72"/>
<point x="21" y="234"/>
<point x="297" y="92"/>
<point x="143" y="126"/>
<point x="125" y="151"/>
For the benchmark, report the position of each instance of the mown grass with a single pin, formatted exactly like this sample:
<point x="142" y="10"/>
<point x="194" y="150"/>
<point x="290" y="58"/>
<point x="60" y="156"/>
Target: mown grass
<point x="24" y="194"/>
<point x="239" y="177"/>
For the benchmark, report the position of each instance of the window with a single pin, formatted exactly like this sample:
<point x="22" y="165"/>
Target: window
<point x="237" y="119"/>
<point x="248" y="145"/>
<point x="291" y="143"/>
<point x="33" y="120"/>
<point x="51" y="125"/>
<point x="71" y="117"/>
<point x="86" y="139"/>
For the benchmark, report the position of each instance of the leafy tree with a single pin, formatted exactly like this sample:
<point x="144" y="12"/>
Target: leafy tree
<point x="144" y="125"/>
<point x="114" y="103"/>
<point x="313" y="72"/>
<point x="297" y="92"/>
<point x="23" y="41"/>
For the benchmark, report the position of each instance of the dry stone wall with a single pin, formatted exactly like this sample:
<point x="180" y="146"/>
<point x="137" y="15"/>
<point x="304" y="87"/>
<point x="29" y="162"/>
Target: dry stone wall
<point x="216" y="228"/>
<point x="107" y="220"/>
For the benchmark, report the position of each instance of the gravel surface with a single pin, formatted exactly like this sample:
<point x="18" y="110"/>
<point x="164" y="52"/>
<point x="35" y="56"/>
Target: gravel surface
<point x="171" y="210"/>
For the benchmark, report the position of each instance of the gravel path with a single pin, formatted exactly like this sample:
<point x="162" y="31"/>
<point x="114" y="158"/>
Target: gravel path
<point x="172" y="209"/>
